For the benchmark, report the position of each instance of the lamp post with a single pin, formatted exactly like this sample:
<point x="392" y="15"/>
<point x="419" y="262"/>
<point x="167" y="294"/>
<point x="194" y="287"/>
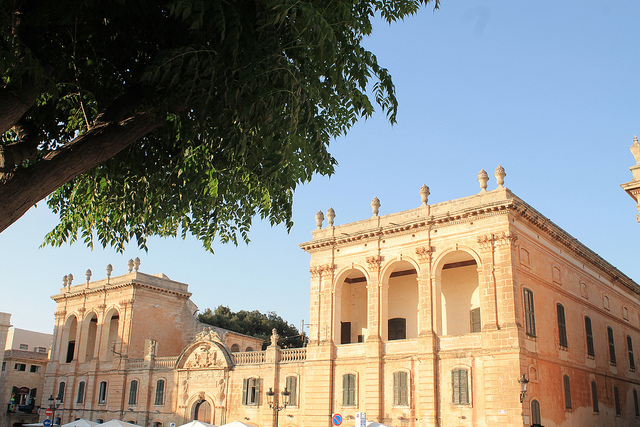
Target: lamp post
<point x="54" y="405"/>
<point x="272" y="398"/>
<point x="523" y="387"/>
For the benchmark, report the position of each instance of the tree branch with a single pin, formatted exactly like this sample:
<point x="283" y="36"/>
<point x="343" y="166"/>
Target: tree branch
<point x="27" y="186"/>
<point x="14" y="106"/>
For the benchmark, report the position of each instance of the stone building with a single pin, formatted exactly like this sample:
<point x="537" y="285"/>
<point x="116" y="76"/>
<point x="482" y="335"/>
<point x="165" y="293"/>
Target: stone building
<point x="26" y="354"/>
<point x="435" y="316"/>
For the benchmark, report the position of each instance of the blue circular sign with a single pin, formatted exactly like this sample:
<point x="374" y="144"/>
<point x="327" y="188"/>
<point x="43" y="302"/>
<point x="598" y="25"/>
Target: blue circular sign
<point x="336" y="419"/>
<point x="46" y="423"/>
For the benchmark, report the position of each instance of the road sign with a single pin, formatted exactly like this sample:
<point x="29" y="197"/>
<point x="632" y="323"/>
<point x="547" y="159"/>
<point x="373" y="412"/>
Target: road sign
<point x="46" y="423"/>
<point x="361" y="419"/>
<point x="336" y="419"/>
<point x="48" y="412"/>
<point x="172" y="424"/>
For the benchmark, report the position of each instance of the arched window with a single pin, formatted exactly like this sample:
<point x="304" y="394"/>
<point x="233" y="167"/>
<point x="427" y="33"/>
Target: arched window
<point x="71" y="328"/>
<point x="235" y="348"/>
<point x="536" y="419"/>
<point x="80" y="397"/>
<point x="291" y="384"/>
<point x="250" y="391"/>
<point x="61" y="388"/>
<point x="349" y="390"/>
<point x="401" y="388"/>
<point x="91" y="333"/>
<point x="102" y="392"/>
<point x="159" y="393"/>
<point x="249" y="349"/>
<point x="133" y="392"/>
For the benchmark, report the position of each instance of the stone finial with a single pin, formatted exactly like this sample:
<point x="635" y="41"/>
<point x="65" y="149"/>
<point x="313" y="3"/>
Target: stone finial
<point x="109" y="270"/>
<point x="130" y="265"/>
<point x="70" y="278"/>
<point x="331" y="215"/>
<point x="635" y="150"/>
<point x="375" y="206"/>
<point x="136" y="264"/>
<point x="64" y="281"/>
<point x="500" y="174"/>
<point x="88" y="275"/>
<point x="483" y="178"/>
<point x="274" y="337"/>
<point x="424" y="194"/>
<point x="319" y="219"/>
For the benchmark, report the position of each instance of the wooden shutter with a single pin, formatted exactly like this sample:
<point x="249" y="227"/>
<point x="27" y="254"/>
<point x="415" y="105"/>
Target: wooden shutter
<point x="530" y="317"/>
<point x="245" y="391"/>
<point x="476" y="324"/>
<point x="632" y="362"/>
<point x="589" y="333"/>
<point x="567" y="392"/>
<point x="345" y="332"/>
<point x="562" y="326"/>
<point x="612" y="347"/>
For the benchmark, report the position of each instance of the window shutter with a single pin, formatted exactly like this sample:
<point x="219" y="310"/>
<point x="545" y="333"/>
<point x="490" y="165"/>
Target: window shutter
<point x="476" y="325"/>
<point x="396" y="388"/>
<point x="612" y="347"/>
<point x="567" y="392"/>
<point x="632" y="363"/>
<point x="455" y="382"/>
<point x="464" y="387"/>
<point x="594" y="396"/>
<point x="245" y="391"/>
<point x="589" y="333"/>
<point x="562" y="326"/>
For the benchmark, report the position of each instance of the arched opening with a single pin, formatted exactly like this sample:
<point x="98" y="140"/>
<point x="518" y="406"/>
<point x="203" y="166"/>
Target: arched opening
<point x="202" y="411"/>
<point x="459" y="295"/>
<point x="235" y="348"/>
<point x="536" y="420"/>
<point x="110" y="335"/>
<point x="91" y="325"/>
<point x="69" y="338"/>
<point x="351" y="308"/>
<point x="249" y="349"/>
<point x="402" y="302"/>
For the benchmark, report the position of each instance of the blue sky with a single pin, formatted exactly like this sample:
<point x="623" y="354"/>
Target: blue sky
<point x="550" y="90"/>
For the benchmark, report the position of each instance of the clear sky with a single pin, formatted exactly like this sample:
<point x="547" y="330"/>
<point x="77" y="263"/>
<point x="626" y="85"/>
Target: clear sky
<point x="548" y="89"/>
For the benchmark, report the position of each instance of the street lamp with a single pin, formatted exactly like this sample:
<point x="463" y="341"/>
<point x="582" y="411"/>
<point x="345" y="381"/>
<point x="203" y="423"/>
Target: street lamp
<point x="54" y="405"/>
<point x="523" y="387"/>
<point x="272" y="398"/>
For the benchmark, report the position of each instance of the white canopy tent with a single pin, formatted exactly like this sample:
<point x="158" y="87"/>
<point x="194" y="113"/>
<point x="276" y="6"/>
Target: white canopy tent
<point x="80" y="423"/>
<point x="117" y="423"/>
<point x="237" y="424"/>
<point x="196" y="423"/>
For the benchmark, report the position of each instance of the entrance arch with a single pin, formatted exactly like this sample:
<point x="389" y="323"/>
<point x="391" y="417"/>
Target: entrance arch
<point x="202" y="411"/>
<point x="351" y="306"/>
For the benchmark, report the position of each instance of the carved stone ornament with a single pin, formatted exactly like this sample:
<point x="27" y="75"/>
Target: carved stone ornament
<point x="130" y="266"/>
<point x="205" y="356"/>
<point x="208" y="334"/>
<point x="375" y="206"/>
<point x="635" y="150"/>
<point x="424" y="252"/>
<point x="331" y="215"/>
<point x="500" y="174"/>
<point x="374" y="262"/>
<point x="499" y="239"/>
<point x="424" y="194"/>
<point x="483" y="178"/>
<point x="319" y="219"/>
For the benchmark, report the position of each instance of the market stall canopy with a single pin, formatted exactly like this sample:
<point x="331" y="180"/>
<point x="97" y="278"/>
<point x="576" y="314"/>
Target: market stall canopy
<point x="237" y="424"/>
<point x="79" y="423"/>
<point x="117" y="423"/>
<point x="196" y="423"/>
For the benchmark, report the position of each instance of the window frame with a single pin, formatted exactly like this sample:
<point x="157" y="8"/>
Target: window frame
<point x="401" y="388"/>
<point x="635" y="402"/>
<point x="612" y="346"/>
<point x="81" y="392"/>
<point x="616" y="399"/>
<point x="133" y="392"/>
<point x="536" y="416"/>
<point x="291" y="384"/>
<point x="34" y="369"/>
<point x="562" y="326"/>
<point x="461" y="396"/>
<point x="632" y="362"/>
<point x="588" y="330"/>
<point x="160" y="392"/>
<point x="399" y="327"/>
<point x="102" y="393"/>
<point x="529" y="313"/>
<point x="61" y="390"/>
<point x="349" y="388"/>
<point x="21" y="367"/>
<point x="594" y="397"/>
<point x="567" y="392"/>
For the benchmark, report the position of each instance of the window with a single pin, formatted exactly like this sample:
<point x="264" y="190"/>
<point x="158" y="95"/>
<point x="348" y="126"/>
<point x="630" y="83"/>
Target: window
<point x="250" y="391"/>
<point x="397" y="328"/>
<point x="632" y="362"/>
<point x="594" y="396"/>
<point x="589" y="332"/>
<point x="460" y="386"/>
<point x="475" y="321"/>
<point x="349" y="390"/>
<point x="61" y="388"/>
<point x="24" y="347"/>
<point x="133" y="392"/>
<point x="562" y="326"/>
<point x="102" y="392"/>
<point x="567" y="393"/>
<point x="4" y="365"/>
<point x="20" y="367"/>
<point x="616" y="397"/>
<point x="635" y="402"/>
<point x="41" y="349"/>
<point x="80" y="396"/>
<point x="34" y="368"/>
<point x="291" y="384"/>
<point x="400" y="389"/>
<point x="235" y="348"/>
<point x="535" y="413"/>
<point x="612" y="347"/>
<point x="159" y="393"/>
<point x="529" y="313"/>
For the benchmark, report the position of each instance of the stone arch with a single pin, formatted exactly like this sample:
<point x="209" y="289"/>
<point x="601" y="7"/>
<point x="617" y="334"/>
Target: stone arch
<point x="457" y="275"/>
<point x="201" y="407"/>
<point x="111" y="333"/>
<point x="69" y="332"/>
<point x="400" y="296"/>
<point x="351" y="305"/>
<point x="207" y="351"/>
<point x="90" y="334"/>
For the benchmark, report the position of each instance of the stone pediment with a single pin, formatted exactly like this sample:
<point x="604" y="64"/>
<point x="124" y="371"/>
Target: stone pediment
<point x="206" y="352"/>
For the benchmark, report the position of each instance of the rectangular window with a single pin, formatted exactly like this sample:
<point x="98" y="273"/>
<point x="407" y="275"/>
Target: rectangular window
<point x="397" y="328"/>
<point x="133" y="392"/>
<point x="24" y="347"/>
<point x="345" y="332"/>
<point x="20" y="367"/>
<point x="159" y="393"/>
<point x="291" y="384"/>
<point x="34" y="368"/>
<point x="567" y="393"/>
<point x="80" y="397"/>
<point x="562" y="326"/>
<point x="250" y="391"/>
<point x="616" y="397"/>
<point x="400" y="389"/>
<point x="589" y="332"/>
<point x="460" y="386"/>
<point x="529" y="313"/>
<point x="635" y="402"/>
<point x="102" y="392"/>
<point x="612" y="347"/>
<point x="4" y="365"/>
<point x="61" y="388"/>
<point x="41" y="349"/>
<point x="632" y="362"/>
<point x="349" y="390"/>
<point x="594" y="396"/>
<point x="476" y="323"/>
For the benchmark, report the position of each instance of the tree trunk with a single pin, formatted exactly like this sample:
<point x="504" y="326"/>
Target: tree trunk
<point x="27" y="186"/>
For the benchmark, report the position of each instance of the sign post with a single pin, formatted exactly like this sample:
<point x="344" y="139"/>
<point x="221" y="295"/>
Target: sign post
<point x="361" y="419"/>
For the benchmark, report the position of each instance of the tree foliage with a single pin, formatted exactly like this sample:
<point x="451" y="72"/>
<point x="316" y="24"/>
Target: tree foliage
<point x="255" y="324"/>
<point x="176" y="117"/>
